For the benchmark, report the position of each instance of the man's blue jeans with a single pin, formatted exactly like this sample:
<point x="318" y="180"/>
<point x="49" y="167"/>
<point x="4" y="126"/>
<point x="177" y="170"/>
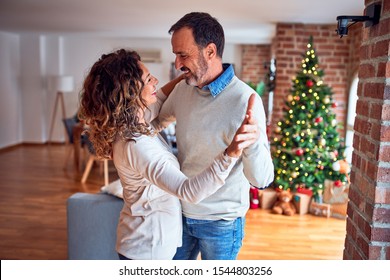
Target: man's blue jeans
<point x="215" y="240"/>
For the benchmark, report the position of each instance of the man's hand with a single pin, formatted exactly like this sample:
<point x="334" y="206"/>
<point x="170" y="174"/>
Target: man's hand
<point x="249" y="128"/>
<point x="247" y="133"/>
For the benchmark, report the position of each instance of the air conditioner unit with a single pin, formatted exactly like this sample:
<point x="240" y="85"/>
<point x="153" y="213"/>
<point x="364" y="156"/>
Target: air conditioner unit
<point x="152" y="56"/>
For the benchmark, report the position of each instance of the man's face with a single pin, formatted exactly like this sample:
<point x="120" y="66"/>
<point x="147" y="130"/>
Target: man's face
<point x="189" y="58"/>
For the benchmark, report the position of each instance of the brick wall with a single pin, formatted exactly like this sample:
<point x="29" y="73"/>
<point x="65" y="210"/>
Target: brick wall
<point x="368" y="222"/>
<point x="252" y="69"/>
<point x="253" y="59"/>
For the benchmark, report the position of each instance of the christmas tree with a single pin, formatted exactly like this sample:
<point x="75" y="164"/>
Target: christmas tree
<point x="307" y="144"/>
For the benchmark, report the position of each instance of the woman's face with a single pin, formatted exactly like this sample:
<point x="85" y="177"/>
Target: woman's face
<point x="148" y="92"/>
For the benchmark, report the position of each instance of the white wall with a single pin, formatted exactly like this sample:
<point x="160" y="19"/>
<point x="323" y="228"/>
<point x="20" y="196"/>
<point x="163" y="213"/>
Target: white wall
<point x="28" y="59"/>
<point x="33" y="93"/>
<point x="10" y="94"/>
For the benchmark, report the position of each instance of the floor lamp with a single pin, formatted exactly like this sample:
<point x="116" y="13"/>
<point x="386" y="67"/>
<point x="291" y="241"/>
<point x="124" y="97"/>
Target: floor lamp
<point x="60" y="85"/>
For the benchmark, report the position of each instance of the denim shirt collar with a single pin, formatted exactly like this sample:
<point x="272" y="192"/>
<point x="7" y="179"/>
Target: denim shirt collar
<point x="218" y="85"/>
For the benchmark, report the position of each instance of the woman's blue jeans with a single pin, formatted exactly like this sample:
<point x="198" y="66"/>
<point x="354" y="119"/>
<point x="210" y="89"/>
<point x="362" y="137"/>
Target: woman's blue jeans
<point x="214" y="240"/>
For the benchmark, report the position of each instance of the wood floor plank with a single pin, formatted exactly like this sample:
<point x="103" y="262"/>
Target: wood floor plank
<point x="34" y="188"/>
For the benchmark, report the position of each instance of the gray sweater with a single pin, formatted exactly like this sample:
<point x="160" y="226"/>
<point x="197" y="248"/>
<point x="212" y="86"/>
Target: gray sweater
<point x="205" y="125"/>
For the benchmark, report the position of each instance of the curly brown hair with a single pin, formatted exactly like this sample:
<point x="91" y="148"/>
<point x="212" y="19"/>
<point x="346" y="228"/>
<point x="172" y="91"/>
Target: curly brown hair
<point x="111" y="100"/>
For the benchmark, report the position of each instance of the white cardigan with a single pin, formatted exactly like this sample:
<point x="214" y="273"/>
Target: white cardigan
<point x="150" y="224"/>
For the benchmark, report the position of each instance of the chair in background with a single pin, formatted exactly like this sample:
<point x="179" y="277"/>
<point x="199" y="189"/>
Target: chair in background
<point x="91" y="160"/>
<point x="70" y="124"/>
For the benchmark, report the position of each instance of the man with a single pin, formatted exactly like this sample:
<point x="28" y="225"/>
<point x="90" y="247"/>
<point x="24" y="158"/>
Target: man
<point x="208" y="108"/>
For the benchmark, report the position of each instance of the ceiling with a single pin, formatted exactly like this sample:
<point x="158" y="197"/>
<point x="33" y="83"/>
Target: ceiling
<point x="244" y="21"/>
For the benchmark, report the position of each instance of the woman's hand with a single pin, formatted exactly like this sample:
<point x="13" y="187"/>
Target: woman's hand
<point x="247" y="133"/>
<point x="168" y="87"/>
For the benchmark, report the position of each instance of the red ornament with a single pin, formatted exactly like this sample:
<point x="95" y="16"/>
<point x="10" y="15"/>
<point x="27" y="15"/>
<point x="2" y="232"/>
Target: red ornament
<point x="338" y="183"/>
<point x="334" y="104"/>
<point x="299" y="152"/>
<point x="309" y="83"/>
<point x="318" y="119"/>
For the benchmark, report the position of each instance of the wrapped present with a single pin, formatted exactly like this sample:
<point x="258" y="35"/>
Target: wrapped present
<point x="302" y="189"/>
<point x="336" y="194"/>
<point x="320" y="209"/>
<point x="302" y="203"/>
<point x="267" y="198"/>
<point x="254" y="198"/>
<point x="339" y="210"/>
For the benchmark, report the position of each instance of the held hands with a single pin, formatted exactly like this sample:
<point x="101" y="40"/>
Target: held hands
<point x="247" y="133"/>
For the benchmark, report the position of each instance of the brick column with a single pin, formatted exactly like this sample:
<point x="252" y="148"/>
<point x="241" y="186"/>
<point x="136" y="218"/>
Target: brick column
<point x="368" y="222"/>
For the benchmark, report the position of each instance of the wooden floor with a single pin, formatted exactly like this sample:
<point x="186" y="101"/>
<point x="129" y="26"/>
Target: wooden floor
<point x="34" y="188"/>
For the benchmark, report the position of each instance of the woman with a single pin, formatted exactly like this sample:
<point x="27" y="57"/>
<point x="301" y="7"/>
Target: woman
<point x="119" y="101"/>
